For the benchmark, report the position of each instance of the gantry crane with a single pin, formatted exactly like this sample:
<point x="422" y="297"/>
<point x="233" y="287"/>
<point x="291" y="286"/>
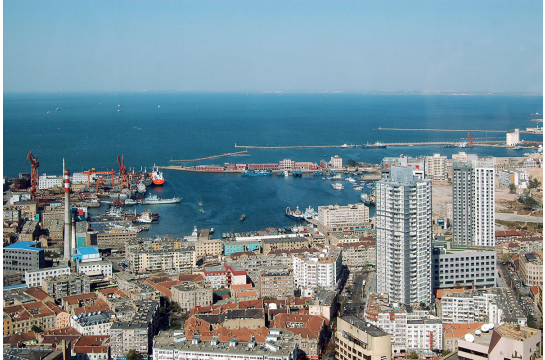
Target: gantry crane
<point x="92" y="172"/>
<point x="34" y="173"/>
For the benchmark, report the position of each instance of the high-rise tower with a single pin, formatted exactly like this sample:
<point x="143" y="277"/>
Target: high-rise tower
<point x="404" y="236"/>
<point x="67" y="214"/>
<point x="473" y="202"/>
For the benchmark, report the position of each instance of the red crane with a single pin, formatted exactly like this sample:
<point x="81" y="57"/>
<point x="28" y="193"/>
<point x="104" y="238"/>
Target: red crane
<point x="123" y="176"/>
<point x="92" y="172"/>
<point x="34" y="174"/>
<point x="470" y="138"/>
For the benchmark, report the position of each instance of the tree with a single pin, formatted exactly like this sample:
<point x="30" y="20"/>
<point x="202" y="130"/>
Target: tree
<point x="352" y="163"/>
<point x="412" y="355"/>
<point x="512" y="188"/>
<point x="174" y="307"/>
<point x="533" y="184"/>
<point x="506" y="257"/>
<point x="528" y="202"/>
<point x="36" y="329"/>
<point x="133" y="355"/>
<point x="445" y="352"/>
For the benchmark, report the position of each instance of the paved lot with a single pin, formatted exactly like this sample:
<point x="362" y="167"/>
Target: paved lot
<point x="520" y="218"/>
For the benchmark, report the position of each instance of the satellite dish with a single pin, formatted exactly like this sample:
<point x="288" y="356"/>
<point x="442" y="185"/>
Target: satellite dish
<point x="469" y="338"/>
<point x="478" y="332"/>
<point x="484" y="328"/>
<point x="491" y="326"/>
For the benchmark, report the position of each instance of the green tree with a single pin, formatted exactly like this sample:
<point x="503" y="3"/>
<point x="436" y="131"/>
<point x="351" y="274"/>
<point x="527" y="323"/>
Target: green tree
<point x="412" y="355"/>
<point x="533" y="184"/>
<point x="512" y="188"/>
<point x="352" y="163"/>
<point x="506" y="257"/>
<point x="445" y="352"/>
<point x="133" y="355"/>
<point x="173" y="306"/>
<point x="528" y="202"/>
<point x="36" y="329"/>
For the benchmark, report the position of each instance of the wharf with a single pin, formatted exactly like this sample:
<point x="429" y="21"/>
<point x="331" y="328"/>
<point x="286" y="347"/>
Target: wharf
<point x="451" y="130"/>
<point x="488" y="143"/>
<point x="213" y="156"/>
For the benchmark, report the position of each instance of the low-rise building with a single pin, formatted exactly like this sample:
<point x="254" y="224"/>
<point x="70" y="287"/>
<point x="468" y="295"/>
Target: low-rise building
<point x="66" y="285"/>
<point x="114" y="239"/>
<point x="531" y="269"/>
<point x="90" y="263"/>
<point x="23" y="256"/>
<point x="289" y="243"/>
<point x="276" y="284"/>
<point x="309" y="332"/>
<point x="504" y="342"/>
<point x="42" y="314"/>
<point x="358" y="254"/>
<point x="142" y="259"/>
<point x="208" y="247"/>
<point x="35" y="277"/>
<point x="192" y="295"/>
<point x="95" y="323"/>
<point x="323" y="303"/>
<point x="30" y="231"/>
<point x="91" y="348"/>
<point x="356" y="339"/>
<point x="231" y="247"/>
<point x="11" y="278"/>
<point x="223" y="276"/>
<point x="463" y="266"/>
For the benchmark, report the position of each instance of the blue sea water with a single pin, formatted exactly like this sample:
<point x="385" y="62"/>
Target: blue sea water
<point x="89" y="132"/>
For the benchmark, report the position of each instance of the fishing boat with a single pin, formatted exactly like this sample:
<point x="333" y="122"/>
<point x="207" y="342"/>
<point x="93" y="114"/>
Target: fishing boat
<point x="295" y="214"/>
<point x="337" y="186"/>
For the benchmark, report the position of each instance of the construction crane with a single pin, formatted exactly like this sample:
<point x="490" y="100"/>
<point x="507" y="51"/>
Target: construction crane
<point x="123" y="177"/>
<point x="34" y="173"/>
<point x="92" y="172"/>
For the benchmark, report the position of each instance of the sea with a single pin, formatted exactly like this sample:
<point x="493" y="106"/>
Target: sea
<point x="89" y="130"/>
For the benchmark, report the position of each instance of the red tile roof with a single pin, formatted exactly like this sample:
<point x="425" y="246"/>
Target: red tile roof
<point x="37" y="293"/>
<point x="456" y="331"/>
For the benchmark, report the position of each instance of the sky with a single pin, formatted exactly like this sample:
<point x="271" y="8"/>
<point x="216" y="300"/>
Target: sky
<point x="458" y="45"/>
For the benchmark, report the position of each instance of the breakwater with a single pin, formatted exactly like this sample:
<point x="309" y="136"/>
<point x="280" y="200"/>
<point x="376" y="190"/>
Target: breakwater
<point x="213" y="156"/>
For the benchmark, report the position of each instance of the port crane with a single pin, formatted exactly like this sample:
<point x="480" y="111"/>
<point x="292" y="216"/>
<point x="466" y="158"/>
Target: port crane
<point x="123" y="177"/>
<point x="34" y="173"/>
<point x="93" y="171"/>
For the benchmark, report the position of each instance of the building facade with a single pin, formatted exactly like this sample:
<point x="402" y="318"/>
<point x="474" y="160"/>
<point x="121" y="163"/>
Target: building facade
<point x="404" y="236"/>
<point x="320" y="268"/>
<point x="355" y="339"/>
<point x="473" y="202"/>
<point x="435" y="167"/>
<point x="276" y="284"/>
<point x="35" y="277"/>
<point x="23" y="256"/>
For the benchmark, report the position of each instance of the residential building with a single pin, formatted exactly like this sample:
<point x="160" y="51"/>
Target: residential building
<point x="90" y="263"/>
<point x="35" y="277"/>
<point x="309" y="332"/>
<point x="96" y="323"/>
<point x="409" y="326"/>
<point x="23" y="256"/>
<point x="66" y="285"/>
<point x="259" y="344"/>
<point x="28" y="208"/>
<point x="271" y="244"/>
<point x="318" y="268"/>
<point x="404" y="236"/>
<point x="114" y="238"/>
<point x="507" y="341"/>
<point x="191" y="295"/>
<point x="323" y="303"/>
<point x="276" y="284"/>
<point x="495" y="305"/>
<point x="463" y="266"/>
<point x="435" y="167"/>
<point x="142" y="259"/>
<point x="11" y="278"/>
<point x="531" y="269"/>
<point x="91" y="348"/>
<point x="30" y="231"/>
<point x="356" y="339"/>
<point x="223" y="276"/>
<point x="473" y="202"/>
<point x="136" y="334"/>
<point x="335" y="215"/>
<point x="208" y="247"/>
<point x="231" y="247"/>
<point x="24" y="316"/>
<point x="358" y="254"/>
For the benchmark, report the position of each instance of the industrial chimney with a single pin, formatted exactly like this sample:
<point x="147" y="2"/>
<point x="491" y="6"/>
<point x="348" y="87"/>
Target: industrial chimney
<point x="67" y="214"/>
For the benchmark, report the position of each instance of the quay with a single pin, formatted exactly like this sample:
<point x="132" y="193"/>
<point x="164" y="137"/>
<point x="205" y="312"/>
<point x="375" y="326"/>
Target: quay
<point x="475" y="143"/>
<point x="213" y="156"/>
<point x="288" y="147"/>
<point x="451" y="130"/>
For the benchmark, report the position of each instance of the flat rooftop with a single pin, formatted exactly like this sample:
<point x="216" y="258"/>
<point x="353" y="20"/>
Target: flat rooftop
<point x="364" y="326"/>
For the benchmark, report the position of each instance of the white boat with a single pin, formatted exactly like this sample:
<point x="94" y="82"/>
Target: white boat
<point x="286" y="173"/>
<point x="351" y="179"/>
<point x="310" y="213"/>
<point x="154" y="200"/>
<point x="337" y="186"/>
<point x="141" y="188"/>
<point x="130" y="202"/>
<point x="145" y="217"/>
<point x="358" y="188"/>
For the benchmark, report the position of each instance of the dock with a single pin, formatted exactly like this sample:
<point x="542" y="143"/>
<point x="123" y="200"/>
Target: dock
<point x="213" y="156"/>
<point x="487" y="143"/>
<point x="451" y="130"/>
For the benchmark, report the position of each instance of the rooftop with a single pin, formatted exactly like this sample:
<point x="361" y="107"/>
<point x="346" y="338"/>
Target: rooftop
<point x="364" y="326"/>
<point x="24" y="245"/>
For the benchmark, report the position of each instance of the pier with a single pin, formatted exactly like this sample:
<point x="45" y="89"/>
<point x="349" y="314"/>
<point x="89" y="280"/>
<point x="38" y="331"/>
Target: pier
<point x="451" y="130"/>
<point x="213" y="156"/>
<point x="487" y="143"/>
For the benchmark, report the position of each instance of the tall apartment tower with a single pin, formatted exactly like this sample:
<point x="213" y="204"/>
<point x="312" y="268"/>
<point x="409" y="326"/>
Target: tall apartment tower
<point x="404" y="236"/>
<point x="473" y="202"/>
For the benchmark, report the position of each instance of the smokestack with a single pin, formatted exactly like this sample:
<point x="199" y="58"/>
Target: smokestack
<point x="67" y="217"/>
<point x="73" y="248"/>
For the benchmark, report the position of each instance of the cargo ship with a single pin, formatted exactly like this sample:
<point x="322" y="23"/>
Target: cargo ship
<point x="154" y="200"/>
<point x="156" y="176"/>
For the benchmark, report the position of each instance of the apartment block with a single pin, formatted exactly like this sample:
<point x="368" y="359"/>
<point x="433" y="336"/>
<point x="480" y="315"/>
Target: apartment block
<point x="192" y="295"/>
<point x="208" y="247"/>
<point x="473" y="202"/>
<point x="276" y="284"/>
<point x="404" y="236"/>
<point x="435" y="167"/>
<point x="35" y="277"/>
<point x="318" y="268"/>
<point x="356" y="339"/>
<point x="358" y="254"/>
<point x="66" y="285"/>
<point x="531" y="269"/>
<point x="142" y="259"/>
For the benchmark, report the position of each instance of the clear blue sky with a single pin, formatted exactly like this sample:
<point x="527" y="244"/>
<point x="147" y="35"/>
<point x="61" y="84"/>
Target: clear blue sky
<point x="273" y="45"/>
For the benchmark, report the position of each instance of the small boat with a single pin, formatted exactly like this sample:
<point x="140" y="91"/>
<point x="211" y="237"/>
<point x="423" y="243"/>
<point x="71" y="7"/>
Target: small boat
<point x="358" y="188"/>
<point x="351" y="179"/>
<point x="49" y="112"/>
<point x="200" y="203"/>
<point x="242" y="217"/>
<point x="118" y="110"/>
<point x="202" y="210"/>
<point x="211" y="231"/>
<point x="310" y="213"/>
<point x="158" y="106"/>
<point x="518" y="148"/>
<point x="337" y="186"/>
<point x="153" y="199"/>
<point x="145" y="217"/>
<point x="58" y="109"/>
<point x="129" y="202"/>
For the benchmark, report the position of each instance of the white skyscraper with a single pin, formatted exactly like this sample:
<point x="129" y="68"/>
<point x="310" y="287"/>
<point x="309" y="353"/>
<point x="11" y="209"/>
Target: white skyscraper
<point x="473" y="202"/>
<point x="404" y="236"/>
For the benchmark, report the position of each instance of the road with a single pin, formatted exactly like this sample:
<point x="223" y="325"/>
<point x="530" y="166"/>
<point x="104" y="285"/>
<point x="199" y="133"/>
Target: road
<point x="519" y="218"/>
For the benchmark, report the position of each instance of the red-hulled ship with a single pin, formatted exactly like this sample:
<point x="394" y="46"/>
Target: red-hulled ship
<point x="156" y="176"/>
